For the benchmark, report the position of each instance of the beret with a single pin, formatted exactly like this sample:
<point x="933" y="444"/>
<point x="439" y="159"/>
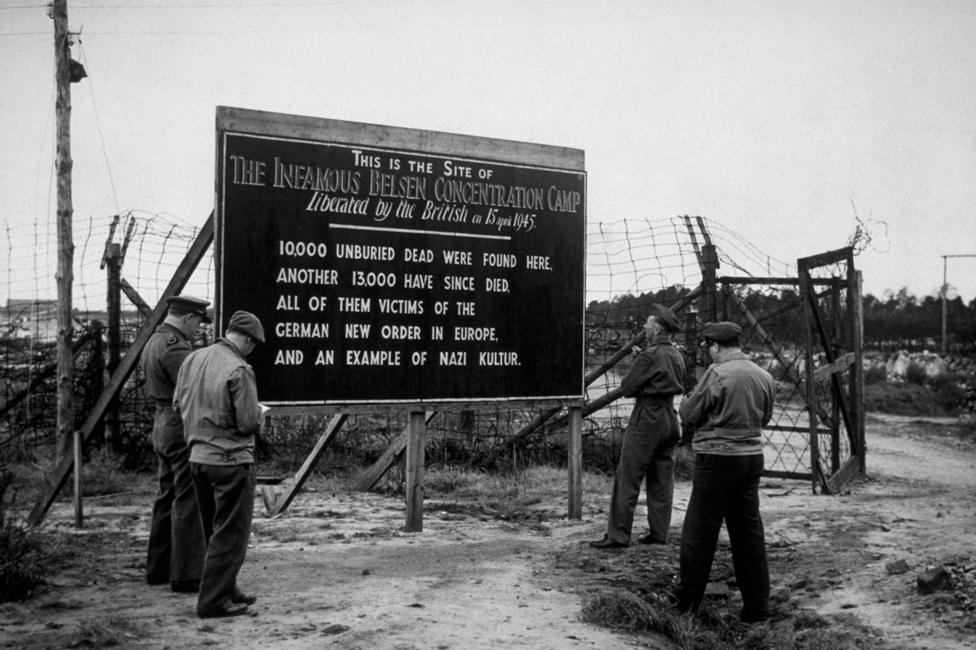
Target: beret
<point x="248" y="323"/>
<point x="665" y="317"/>
<point x="721" y="332"/>
<point x="189" y="305"/>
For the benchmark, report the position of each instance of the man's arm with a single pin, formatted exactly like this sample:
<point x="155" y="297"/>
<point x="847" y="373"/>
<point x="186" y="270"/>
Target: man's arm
<point x="770" y="399"/>
<point x="637" y="375"/>
<point x="173" y="358"/>
<point x="696" y="404"/>
<point x="177" y="389"/>
<point x="244" y="394"/>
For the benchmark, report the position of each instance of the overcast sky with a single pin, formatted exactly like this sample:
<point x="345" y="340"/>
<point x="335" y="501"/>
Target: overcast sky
<point x="782" y="121"/>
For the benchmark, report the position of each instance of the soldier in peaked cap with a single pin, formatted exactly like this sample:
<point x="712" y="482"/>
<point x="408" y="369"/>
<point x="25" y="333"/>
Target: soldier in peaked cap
<point x="182" y="305"/>
<point x="650" y="437"/>
<point x="722" y="332"/>
<point x="176" y="547"/>
<point x="217" y="395"/>
<point x="727" y="410"/>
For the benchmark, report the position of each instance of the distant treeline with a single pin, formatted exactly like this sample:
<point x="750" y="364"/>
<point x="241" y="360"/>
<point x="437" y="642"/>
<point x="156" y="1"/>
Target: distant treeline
<point x="896" y="321"/>
<point x="902" y="321"/>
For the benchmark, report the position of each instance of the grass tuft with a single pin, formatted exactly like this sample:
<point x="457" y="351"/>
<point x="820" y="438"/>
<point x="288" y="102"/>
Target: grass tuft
<point x="22" y="553"/>
<point x="622" y="610"/>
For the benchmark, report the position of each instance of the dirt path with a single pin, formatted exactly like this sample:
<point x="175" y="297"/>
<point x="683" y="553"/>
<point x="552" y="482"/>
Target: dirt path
<point x="336" y="570"/>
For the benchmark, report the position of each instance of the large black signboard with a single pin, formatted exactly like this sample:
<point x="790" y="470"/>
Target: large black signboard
<point x="407" y="268"/>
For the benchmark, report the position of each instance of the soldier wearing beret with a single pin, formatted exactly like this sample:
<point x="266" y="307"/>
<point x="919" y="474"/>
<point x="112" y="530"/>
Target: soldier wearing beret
<point x="176" y="545"/>
<point x="727" y="410"/>
<point x="216" y="393"/>
<point x="650" y="438"/>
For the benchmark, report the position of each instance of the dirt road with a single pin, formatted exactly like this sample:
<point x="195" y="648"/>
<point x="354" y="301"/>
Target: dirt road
<point x="336" y="570"/>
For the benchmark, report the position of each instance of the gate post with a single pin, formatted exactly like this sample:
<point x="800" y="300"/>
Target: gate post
<point x="709" y="269"/>
<point x="806" y="297"/>
<point x="856" y="309"/>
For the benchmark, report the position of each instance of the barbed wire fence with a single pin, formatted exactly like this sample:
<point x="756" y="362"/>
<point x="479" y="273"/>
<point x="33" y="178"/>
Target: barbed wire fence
<point x="630" y="263"/>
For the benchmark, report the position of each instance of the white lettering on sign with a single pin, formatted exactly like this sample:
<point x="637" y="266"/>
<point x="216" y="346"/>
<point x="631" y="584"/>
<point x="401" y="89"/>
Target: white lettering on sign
<point x="498" y="359"/>
<point x="289" y="358"/>
<point x="474" y="334"/>
<point x="361" y="252"/>
<point x="454" y="358"/>
<point x="318" y="303"/>
<point x="401" y="306"/>
<point x="418" y="281"/>
<point x="342" y="204"/>
<point x="290" y="330"/>
<point x="302" y="249"/>
<point x="358" y="305"/>
<point x="457" y="257"/>
<point x="401" y="332"/>
<point x="372" y="357"/>
<point x="357" y="330"/>
<point x="501" y="260"/>
<point x="288" y="275"/>
<point x="373" y="279"/>
<point x="450" y="213"/>
<point x="458" y="283"/>
<point x="540" y="262"/>
<point x="418" y="255"/>
<point x="288" y="302"/>
<point x="496" y="285"/>
<point x="248" y="172"/>
<point x="563" y="200"/>
<point x="397" y="186"/>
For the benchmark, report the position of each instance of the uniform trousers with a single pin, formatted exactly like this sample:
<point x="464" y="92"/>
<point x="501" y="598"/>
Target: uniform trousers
<point x="724" y="488"/>
<point x="176" y="544"/>
<point x="225" y="494"/>
<point x="647" y="455"/>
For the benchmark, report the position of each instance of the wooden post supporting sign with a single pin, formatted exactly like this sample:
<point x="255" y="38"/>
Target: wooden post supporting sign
<point x="575" y="462"/>
<point x="415" y="472"/>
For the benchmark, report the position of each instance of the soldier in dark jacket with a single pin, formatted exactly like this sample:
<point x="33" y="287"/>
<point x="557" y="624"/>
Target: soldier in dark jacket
<point x="650" y="438"/>
<point x="176" y="545"/>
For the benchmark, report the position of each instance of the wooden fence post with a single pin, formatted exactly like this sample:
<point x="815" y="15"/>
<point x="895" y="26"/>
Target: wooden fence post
<point x="113" y="263"/>
<point x="76" y="449"/>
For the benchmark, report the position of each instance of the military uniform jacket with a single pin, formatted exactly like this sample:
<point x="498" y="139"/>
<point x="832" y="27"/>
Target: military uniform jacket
<point x="658" y="371"/>
<point x="728" y="408"/>
<point x="161" y="360"/>
<point x="217" y="396"/>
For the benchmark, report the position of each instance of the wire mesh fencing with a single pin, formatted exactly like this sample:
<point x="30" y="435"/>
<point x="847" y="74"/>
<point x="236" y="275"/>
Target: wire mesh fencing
<point x="630" y="264"/>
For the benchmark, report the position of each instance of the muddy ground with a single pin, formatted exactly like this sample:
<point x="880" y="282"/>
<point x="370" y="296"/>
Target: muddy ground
<point x="337" y="570"/>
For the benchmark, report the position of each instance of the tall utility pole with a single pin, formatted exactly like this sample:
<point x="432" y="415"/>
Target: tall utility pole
<point x="945" y="300"/>
<point x="66" y="247"/>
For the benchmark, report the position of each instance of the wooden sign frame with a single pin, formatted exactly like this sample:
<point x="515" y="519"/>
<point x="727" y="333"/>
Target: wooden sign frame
<point x="399" y="267"/>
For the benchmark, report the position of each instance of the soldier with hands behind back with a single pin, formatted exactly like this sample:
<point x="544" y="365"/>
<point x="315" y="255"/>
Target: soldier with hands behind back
<point x="176" y="545"/>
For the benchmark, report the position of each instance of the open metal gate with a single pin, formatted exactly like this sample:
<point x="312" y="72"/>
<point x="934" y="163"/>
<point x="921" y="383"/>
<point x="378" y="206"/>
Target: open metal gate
<point x="831" y="293"/>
